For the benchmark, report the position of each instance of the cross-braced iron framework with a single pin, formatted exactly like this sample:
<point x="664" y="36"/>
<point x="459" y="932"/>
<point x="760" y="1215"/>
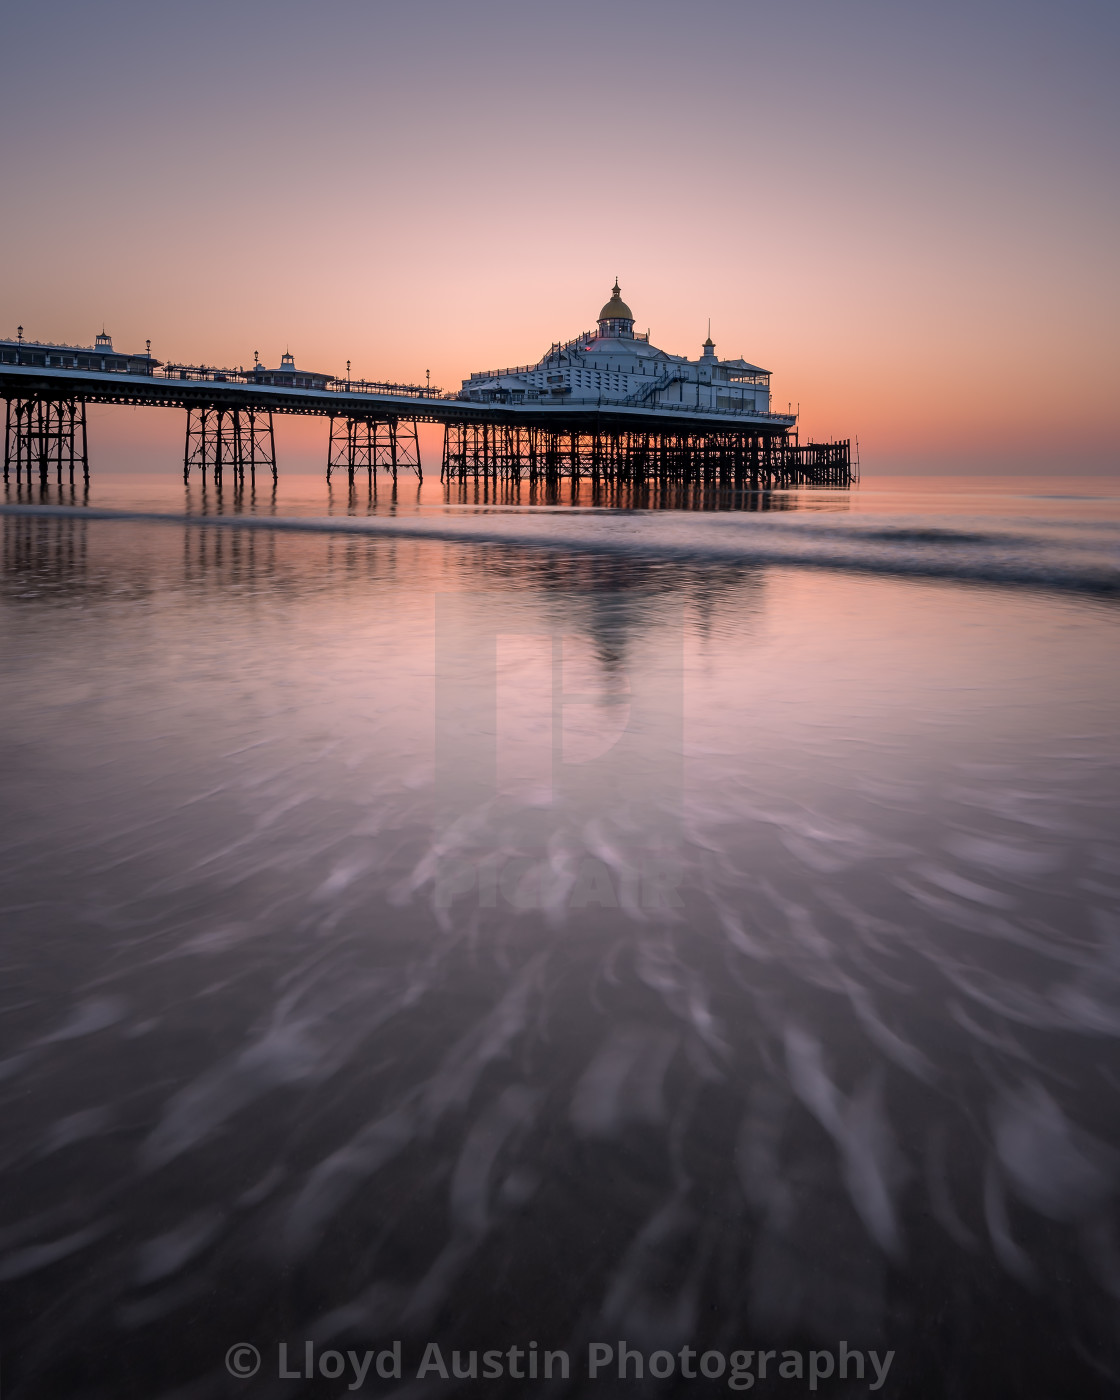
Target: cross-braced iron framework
<point x="229" y="437"/>
<point x="365" y="444"/>
<point x="749" y="460"/>
<point x="41" y="432"/>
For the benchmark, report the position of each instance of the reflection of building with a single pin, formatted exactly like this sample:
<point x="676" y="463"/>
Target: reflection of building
<point x="99" y="356"/>
<point x="613" y="365"/>
<point x="288" y="377"/>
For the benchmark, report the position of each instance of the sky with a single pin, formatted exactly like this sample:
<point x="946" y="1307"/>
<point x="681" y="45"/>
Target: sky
<point x="907" y="212"/>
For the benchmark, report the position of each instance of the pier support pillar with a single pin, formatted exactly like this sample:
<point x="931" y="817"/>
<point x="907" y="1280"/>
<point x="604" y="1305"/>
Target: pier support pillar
<point x="365" y="444"/>
<point x="741" y="458"/>
<point x="233" y="438"/>
<point x="41" y="432"/>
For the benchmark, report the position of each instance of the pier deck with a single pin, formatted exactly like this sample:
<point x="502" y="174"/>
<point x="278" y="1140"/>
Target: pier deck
<point x="229" y="425"/>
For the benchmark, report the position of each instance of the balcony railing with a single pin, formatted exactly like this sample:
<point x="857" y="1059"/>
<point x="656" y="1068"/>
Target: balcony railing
<point x="214" y="374"/>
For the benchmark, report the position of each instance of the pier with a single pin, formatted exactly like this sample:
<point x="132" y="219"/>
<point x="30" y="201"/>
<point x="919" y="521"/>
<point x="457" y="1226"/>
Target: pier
<point x="496" y="434"/>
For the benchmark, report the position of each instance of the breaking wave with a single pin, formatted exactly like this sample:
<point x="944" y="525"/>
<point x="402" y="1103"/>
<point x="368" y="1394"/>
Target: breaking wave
<point x="1082" y="557"/>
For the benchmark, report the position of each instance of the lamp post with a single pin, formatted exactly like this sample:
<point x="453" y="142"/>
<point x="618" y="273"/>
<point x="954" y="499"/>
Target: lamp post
<point x="148" y="352"/>
<point x="347" y="376"/>
<point x="19" y="345"/>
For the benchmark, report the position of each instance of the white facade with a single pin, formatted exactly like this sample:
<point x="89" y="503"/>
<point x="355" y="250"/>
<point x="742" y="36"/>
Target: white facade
<point x="613" y="367"/>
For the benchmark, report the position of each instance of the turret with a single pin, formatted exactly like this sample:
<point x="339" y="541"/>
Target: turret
<point x="616" y="320"/>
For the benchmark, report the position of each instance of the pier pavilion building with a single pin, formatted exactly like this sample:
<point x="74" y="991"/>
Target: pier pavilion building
<point x="614" y="365"/>
<point x="99" y="357"/>
<point x="288" y="376"/>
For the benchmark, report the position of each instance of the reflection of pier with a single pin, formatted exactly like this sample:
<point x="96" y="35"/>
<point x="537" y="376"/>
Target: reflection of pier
<point x="35" y="547"/>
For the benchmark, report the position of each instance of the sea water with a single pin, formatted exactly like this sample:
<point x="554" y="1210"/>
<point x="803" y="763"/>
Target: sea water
<point x="680" y="943"/>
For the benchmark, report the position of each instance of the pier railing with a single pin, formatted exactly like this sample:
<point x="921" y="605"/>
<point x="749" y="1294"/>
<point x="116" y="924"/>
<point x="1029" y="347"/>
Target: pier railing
<point x="691" y="408"/>
<point x="370" y="386"/>
<point x="214" y="374"/>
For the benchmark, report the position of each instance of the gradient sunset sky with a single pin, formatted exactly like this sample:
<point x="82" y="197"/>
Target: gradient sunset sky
<point x="909" y="213"/>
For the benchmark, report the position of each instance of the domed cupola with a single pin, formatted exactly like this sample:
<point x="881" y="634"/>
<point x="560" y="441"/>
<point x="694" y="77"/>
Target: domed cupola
<point x="616" y="319"/>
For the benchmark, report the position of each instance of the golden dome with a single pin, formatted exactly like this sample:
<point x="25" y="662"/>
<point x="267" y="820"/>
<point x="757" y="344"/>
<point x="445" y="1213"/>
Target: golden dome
<point x="616" y="309"/>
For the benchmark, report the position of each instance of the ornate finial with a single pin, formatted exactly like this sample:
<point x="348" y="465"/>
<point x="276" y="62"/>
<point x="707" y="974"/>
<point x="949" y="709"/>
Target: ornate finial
<point x="616" y="289"/>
